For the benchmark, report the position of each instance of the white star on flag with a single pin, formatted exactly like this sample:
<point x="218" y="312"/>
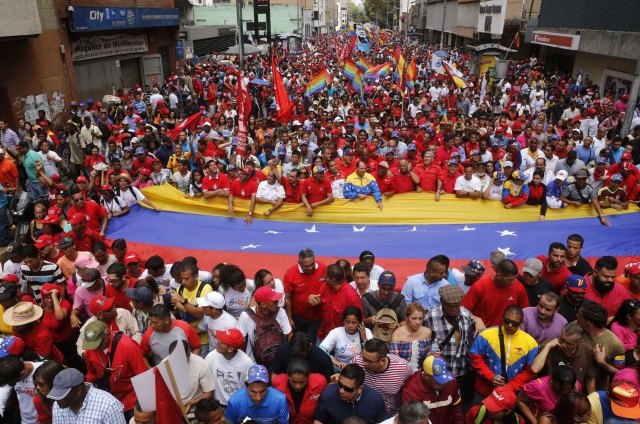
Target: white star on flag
<point x="507" y="233"/>
<point x="506" y="250"/>
<point x="250" y="246"/>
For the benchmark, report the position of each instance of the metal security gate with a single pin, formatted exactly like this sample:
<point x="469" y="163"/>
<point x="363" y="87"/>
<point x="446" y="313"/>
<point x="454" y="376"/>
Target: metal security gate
<point x="166" y="61"/>
<point x="130" y="72"/>
<point x="95" y="78"/>
<point x="213" y="45"/>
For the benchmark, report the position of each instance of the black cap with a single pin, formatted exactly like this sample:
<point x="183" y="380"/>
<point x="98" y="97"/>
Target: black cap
<point x="367" y="254"/>
<point x="7" y="290"/>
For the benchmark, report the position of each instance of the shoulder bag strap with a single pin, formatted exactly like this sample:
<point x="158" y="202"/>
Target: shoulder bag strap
<point x="114" y="346"/>
<point x="454" y="327"/>
<point x="503" y="356"/>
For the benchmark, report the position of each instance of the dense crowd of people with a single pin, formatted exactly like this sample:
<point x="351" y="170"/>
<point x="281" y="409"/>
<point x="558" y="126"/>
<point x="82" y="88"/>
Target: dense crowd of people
<point x="553" y="341"/>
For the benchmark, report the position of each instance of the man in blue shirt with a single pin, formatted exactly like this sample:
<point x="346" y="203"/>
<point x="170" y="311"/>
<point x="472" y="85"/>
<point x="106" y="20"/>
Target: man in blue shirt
<point x="423" y="288"/>
<point x="350" y="397"/>
<point x="258" y="401"/>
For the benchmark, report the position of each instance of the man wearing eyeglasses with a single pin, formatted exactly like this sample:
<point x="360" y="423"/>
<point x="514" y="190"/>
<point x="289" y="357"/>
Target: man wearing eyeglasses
<point x="502" y="355"/>
<point x="350" y="397"/>
<point x="385" y="373"/>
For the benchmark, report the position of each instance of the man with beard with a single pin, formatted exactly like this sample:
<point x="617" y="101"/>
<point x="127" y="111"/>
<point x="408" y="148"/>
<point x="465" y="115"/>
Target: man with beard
<point x="575" y="288"/>
<point x="602" y="288"/>
<point x="553" y="268"/>
<point x="543" y="322"/>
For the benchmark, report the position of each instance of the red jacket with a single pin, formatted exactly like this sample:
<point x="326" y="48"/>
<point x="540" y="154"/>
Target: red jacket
<point x="445" y="405"/>
<point x="315" y="386"/>
<point x="127" y="363"/>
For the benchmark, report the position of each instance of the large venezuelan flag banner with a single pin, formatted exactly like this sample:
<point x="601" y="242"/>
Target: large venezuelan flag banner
<point x="411" y="228"/>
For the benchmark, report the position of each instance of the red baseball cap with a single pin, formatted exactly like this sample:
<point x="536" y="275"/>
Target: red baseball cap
<point x="12" y="278"/>
<point x="635" y="269"/>
<point x="43" y="241"/>
<point x="503" y="398"/>
<point x="266" y="294"/>
<point x="232" y="337"/>
<point x="81" y="179"/>
<point x="131" y="258"/>
<point x="47" y="288"/>
<point x="626" y="155"/>
<point x="77" y="218"/>
<point x="100" y="304"/>
<point x="50" y="219"/>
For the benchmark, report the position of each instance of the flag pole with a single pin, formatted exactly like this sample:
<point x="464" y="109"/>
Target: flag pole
<point x="174" y="386"/>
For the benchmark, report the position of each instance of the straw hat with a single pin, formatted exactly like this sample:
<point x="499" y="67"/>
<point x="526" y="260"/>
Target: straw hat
<point x="22" y="313"/>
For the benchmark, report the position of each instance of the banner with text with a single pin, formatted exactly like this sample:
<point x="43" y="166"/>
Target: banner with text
<point x="95" y="47"/>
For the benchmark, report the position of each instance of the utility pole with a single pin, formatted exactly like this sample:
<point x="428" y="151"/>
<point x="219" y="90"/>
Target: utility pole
<point x="444" y="17"/>
<point x="239" y="4"/>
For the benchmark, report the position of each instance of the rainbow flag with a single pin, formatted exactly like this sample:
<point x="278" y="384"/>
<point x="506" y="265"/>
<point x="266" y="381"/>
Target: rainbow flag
<point x="317" y="83"/>
<point x="357" y="84"/>
<point x="411" y="74"/>
<point x="363" y="64"/>
<point x="398" y="76"/>
<point x="350" y="69"/>
<point x="378" y="72"/>
<point x="455" y="75"/>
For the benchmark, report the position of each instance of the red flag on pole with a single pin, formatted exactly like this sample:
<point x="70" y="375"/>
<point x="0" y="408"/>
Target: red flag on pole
<point x="244" y="109"/>
<point x="191" y="123"/>
<point x="283" y="102"/>
<point x="167" y="409"/>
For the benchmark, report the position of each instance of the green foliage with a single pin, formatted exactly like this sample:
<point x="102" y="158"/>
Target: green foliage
<point x="356" y="13"/>
<point x="376" y="11"/>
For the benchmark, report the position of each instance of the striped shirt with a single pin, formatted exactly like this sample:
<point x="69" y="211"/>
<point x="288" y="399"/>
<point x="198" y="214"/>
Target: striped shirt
<point x="34" y="280"/>
<point x="388" y="383"/>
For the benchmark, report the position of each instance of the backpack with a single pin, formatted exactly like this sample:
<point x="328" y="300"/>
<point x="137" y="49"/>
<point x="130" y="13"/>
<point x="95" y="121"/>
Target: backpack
<point x="386" y="315"/>
<point x="267" y="337"/>
<point x="185" y="316"/>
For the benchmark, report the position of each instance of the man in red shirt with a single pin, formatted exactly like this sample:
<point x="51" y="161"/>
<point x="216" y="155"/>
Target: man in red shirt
<point x="489" y="296"/>
<point x="334" y="298"/>
<point x="119" y="282"/>
<point x="316" y="191"/>
<point x="385" y="181"/>
<point x="602" y="287"/>
<point x="443" y="153"/>
<point x="346" y="164"/>
<point x="96" y="215"/>
<point x="449" y="178"/>
<point x="215" y="184"/>
<point x="402" y="177"/>
<point x="292" y="186"/>
<point x="105" y="349"/>
<point x="141" y="161"/>
<point x="302" y="280"/>
<point x="553" y="268"/>
<point x="426" y="175"/>
<point x="246" y="188"/>
<point x="82" y="236"/>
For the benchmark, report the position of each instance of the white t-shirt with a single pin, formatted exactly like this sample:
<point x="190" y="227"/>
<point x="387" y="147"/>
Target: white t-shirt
<point x="344" y="346"/>
<point x="375" y="272"/>
<point x="248" y="327"/>
<point x="200" y="378"/>
<point x="373" y="285"/>
<point x="129" y="198"/>
<point x="270" y="191"/>
<point x="204" y="276"/>
<point x="228" y="375"/>
<point x="462" y="183"/>
<point x="163" y="281"/>
<point x="210" y="325"/>
<point x="26" y="391"/>
<point x="12" y="268"/>
<point x="495" y="192"/>
<point x="235" y="301"/>
<point x="49" y="162"/>
<point x="116" y="204"/>
<point x="182" y="181"/>
<point x="103" y="268"/>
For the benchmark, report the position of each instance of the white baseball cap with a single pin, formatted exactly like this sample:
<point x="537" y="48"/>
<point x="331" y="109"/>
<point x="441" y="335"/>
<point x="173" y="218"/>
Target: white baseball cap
<point x="562" y="175"/>
<point x="212" y="299"/>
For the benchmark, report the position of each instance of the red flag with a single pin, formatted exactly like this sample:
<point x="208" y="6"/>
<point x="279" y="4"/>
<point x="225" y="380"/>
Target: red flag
<point x="244" y="109"/>
<point x="191" y="123"/>
<point x="283" y="102"/>
<point x="167" y="409"/>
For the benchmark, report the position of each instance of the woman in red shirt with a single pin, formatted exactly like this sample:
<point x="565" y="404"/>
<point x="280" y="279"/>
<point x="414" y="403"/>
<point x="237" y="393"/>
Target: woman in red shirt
<point x="302" y="390"/>
<point x="43" y="379"/>
<point x="56" y="318"/>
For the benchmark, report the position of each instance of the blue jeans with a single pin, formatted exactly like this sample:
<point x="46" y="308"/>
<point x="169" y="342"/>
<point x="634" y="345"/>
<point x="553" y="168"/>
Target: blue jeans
<point x="36" y="191"/>
<point x="4" y="227"/>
